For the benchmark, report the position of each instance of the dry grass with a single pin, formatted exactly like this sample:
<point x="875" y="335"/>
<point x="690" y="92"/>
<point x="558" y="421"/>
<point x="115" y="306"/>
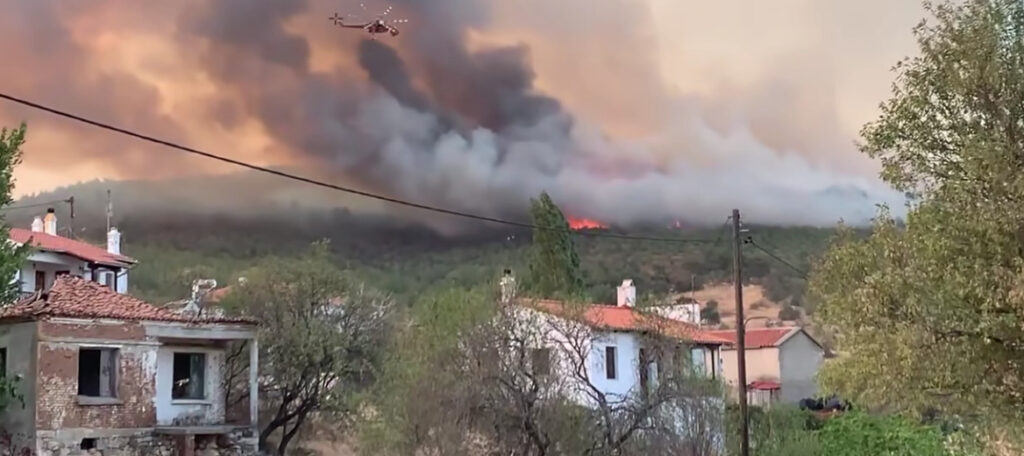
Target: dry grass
<point x="755" y="304"/>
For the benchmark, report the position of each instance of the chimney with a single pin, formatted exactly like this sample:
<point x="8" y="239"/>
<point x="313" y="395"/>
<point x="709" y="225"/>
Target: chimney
<point x="37" y="225"/>
<point x="50" y="222"/>
<point x="114" y="241"/>
<point x="508" y="287"/>
<point x="626" y="294"/>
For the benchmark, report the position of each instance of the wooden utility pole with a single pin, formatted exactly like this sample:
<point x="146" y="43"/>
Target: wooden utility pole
<point x="741" y="358"/>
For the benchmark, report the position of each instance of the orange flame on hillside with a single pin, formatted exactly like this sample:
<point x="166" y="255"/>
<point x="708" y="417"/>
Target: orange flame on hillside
<point x="585" y="224"/>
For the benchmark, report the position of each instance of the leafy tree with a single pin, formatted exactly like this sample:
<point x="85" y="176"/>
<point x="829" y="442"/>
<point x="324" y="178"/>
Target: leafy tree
<point x="471" y="378"/>
<point x="710" y="314"/>
<point x="941" y="300"/>
<point x="554" y="264"/>
<point x="789" y="313"/>
<point x="322" y="337"/>
<point x="11" y="257"/>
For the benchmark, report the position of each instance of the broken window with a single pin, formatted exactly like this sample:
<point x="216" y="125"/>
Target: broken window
<point x="189" y="376"/>
<point x="97" y="372"/>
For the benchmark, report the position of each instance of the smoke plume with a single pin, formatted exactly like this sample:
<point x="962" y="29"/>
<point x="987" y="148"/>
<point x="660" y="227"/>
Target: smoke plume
<point x="453" y="112"/>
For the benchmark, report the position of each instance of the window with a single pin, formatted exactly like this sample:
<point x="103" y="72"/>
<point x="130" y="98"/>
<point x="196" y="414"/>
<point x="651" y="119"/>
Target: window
<point x="3" y="362"/>
<point x="540" y="360"/>
<point x="61" y="273"/>
<point x="609" y="362"/>
<point x="699" y="365"/>
<point x="97" y="372"/>
<point x="40" y="280"/>
<point x="189" y="376"/>
<point x="87" y="444"/>
<point x="105" y="278"/>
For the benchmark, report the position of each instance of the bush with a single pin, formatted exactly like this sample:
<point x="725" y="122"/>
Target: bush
<point x="789" y="313"/>
<point x="710" y="315"/>
<point x="856" y="434"/>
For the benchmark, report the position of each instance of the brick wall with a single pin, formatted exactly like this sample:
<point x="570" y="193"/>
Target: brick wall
<point x="57" y="381"/>
<point x="105" y="330"/>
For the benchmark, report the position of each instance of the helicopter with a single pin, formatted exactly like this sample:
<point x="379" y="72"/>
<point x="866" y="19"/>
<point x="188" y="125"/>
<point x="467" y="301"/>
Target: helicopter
<point x="376" y="26"/>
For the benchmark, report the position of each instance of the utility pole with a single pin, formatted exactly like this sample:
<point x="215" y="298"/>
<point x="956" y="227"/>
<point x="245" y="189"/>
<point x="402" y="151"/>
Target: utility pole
<point x="110" y="210"/>
<point x="741" y="347"/>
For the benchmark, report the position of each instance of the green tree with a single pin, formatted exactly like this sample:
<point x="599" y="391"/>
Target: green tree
<point x="929" y="314"/>
<point x="11" y="256"/>
<point x="554" y="263"/>
<point x="322" y="338"/>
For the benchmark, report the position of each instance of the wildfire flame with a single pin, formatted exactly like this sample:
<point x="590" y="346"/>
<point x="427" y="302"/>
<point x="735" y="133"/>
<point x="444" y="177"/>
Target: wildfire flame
<point x="585" y="224"/>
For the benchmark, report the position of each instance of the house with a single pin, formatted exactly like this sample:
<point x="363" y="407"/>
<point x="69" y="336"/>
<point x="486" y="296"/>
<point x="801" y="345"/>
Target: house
<point x="616" y="362"/>
<point x="101" y="370"/>
<point x="53" y="255"/>
<point x="781" y="363"/>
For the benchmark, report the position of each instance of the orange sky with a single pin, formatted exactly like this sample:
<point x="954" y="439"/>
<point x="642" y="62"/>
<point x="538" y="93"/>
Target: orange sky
<point x="802" y="76"/>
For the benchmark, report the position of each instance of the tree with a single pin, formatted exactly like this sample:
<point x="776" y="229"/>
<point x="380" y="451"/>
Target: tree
<point x="789" y="313"/>
<point x="554" y="264"/>
<point x="12" y="257"/>
<point x="322" y="337"/>
<point x="472" y="378"/>
<point x="941" y="298"/>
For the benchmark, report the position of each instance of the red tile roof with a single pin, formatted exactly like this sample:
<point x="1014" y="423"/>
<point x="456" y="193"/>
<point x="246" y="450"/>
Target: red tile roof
<point x="759" y="337"/>
<point x="79" y="249"/>
<point x="617" y="318"/>
<point x="764" y="385"/>
<point x="75" y="297"/>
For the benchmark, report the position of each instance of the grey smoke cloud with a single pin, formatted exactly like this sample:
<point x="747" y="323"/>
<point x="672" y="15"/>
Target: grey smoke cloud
<point x="443" y="124"/>
<point x="437" y="117"/>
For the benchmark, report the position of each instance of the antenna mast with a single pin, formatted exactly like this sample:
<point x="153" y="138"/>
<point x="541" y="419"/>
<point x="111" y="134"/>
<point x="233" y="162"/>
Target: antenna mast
<point x="110" y="210"/>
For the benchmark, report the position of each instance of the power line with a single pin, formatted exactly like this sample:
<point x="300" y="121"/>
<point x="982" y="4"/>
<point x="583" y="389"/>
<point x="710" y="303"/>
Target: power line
<point x="802" y="273"/>
<point x="328" y="185"/>
<point x="29" y="206"/>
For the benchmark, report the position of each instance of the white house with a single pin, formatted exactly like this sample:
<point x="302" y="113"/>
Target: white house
<point x="615" y="339"/>
<point x="781" y="364"/>
<point x="53" y="255"/>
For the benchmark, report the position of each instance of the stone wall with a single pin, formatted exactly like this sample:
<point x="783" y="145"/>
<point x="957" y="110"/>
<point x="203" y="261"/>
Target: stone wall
<point x="106" y="443"/>
<point x="143" y="442"/>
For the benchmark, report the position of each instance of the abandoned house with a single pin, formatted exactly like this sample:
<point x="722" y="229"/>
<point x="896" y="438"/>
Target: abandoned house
<point x="104" y="372"/>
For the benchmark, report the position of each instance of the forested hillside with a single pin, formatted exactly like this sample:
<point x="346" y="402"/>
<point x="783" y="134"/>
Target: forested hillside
<point x="403" y="257"/>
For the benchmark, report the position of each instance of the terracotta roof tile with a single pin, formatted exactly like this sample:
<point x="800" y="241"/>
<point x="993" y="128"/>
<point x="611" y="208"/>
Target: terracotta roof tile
<point x="764" y="385"/>
<point x="75" y="297"/>
<point x="627" y="319"/>
<point x="758" y="337"/>
<point x="58" y="244"/>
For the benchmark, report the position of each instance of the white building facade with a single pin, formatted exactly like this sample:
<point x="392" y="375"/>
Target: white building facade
<point x="53" y="255"/>
<point x="614" y="344"/>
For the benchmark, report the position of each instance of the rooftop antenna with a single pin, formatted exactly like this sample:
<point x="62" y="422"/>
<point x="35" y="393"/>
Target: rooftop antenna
<point x="110" y="210"/>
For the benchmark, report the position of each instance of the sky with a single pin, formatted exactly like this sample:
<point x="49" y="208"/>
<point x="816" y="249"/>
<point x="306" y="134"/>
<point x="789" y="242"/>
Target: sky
<point x="623" y="110"/>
